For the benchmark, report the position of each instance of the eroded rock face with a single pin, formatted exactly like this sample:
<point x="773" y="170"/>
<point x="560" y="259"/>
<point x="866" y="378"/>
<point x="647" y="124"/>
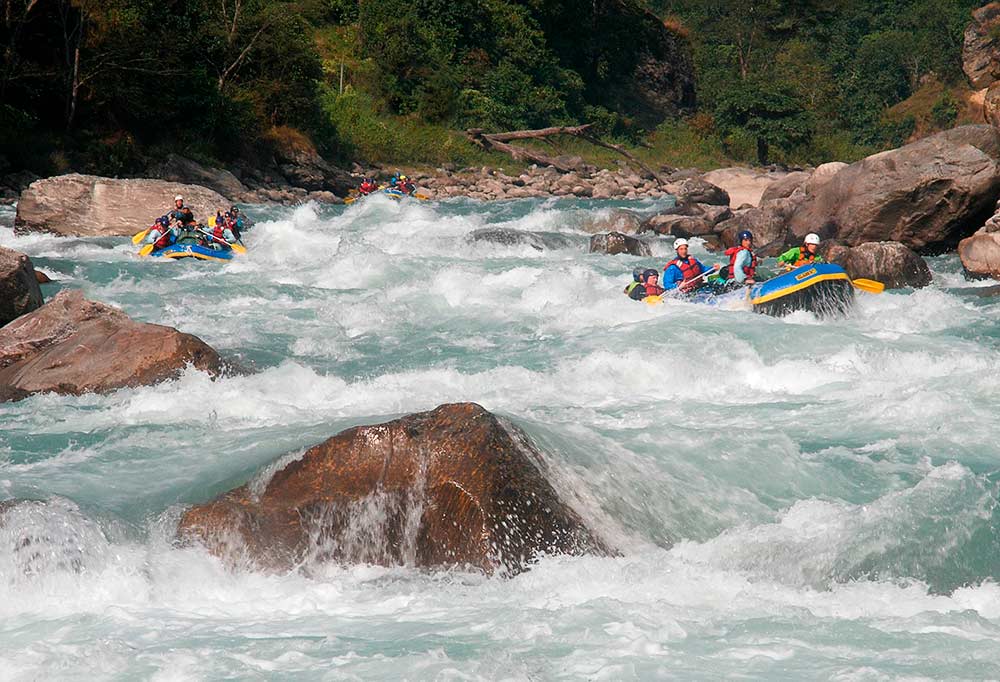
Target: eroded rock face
<point x="19" y="291"/>
<point x="980" y="52"/>
<point x="891" y="263"/>
<point x="768" y="223"/>
<point x="177" y="168"/>
<point x="614" y="243"/>
<point x="72" y="346"/>
<point x="92" y="206"/>
<point x="451" y="487"/>
<point x="926" y="195"/>
<point x="743" y="185"/>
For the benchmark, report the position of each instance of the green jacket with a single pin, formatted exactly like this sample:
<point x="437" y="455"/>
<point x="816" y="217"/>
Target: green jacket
<point x="791" y="257"/>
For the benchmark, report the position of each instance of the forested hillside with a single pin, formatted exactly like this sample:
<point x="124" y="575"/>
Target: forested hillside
<point x="107" y="85"/>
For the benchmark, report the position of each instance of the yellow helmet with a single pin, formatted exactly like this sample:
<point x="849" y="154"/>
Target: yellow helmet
<point x="402" y="177"/>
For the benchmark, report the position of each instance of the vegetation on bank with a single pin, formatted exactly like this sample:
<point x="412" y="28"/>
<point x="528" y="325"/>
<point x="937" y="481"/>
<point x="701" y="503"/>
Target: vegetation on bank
<point x="108" y="85"/>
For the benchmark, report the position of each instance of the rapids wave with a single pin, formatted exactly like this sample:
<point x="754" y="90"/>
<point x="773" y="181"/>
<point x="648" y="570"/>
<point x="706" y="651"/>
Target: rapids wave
<point x="793" y="498"/>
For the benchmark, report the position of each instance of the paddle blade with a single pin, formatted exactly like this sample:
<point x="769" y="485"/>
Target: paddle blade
<point x="422" y="197"/>
<point x="350" y="200"/>
<point x="239" y="248"/>
<point x="146" y="250"/>
<point x="139" y="236"/>
<point x="869" y="285"/>
<point x="653" y="300"/>
<point x="211" y="221"/>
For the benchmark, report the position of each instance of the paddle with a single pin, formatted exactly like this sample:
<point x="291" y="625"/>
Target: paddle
<point x="869" y="285"/>
<point x="146" y="250"/>
<point x="139" y="236"/>
<point x="238" y="248"/>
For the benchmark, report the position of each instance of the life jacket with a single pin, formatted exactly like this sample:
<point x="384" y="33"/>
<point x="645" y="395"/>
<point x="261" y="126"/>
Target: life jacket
<point x="654" y="290"/>
<point x="748" y="270"/>
<point x="164" y="239"/>
<point x="630" y="287"/>
<point x="805" y="258"/>
<point x="689" y="268"/>
<point x="218" y="233"/>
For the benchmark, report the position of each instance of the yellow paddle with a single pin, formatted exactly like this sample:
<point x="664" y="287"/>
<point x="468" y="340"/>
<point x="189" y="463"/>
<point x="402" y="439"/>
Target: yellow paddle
<point x="869" y="285"/>
<point x="146" y="250"/>
<point x="139" y="236"/>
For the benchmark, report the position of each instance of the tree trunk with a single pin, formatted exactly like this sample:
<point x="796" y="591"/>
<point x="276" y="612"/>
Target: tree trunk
<point x="762" y="151"/>
<point x="74" y="89"/>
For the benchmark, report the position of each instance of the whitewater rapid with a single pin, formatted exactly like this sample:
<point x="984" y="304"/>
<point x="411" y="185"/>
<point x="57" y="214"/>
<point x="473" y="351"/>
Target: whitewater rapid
<point x="793" y="498"/>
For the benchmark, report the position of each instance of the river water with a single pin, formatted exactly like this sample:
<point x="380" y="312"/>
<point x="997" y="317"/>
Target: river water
<point x="793" y="498"/>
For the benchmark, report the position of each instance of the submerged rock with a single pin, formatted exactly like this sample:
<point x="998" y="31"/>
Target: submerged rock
<point x="891" y="263"/>
<point x="92" y="206"/>
<point x="614" y="243"/>
<point x="451" y="487"/>
<point x="505" y="236"/>
<point x="19" y="292"/>
<point x="71" y="346"/>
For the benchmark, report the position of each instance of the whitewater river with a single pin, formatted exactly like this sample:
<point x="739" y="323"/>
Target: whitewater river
<point x="792" y="498"/>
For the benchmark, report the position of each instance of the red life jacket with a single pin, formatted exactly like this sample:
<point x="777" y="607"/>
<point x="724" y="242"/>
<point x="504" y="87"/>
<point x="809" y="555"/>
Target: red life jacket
<point x="218" y="233"/>
<point x="689" y="269"/>
<point x="748" y="270"/>
<point x="164" y="239"/>
<point x="654" y="290"/>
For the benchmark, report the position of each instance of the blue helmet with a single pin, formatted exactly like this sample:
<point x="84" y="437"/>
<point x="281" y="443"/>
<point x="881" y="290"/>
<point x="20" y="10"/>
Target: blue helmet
<point x="646" y="274"/>
<point x="745" y="234"/>
<point x="637" y="274"/>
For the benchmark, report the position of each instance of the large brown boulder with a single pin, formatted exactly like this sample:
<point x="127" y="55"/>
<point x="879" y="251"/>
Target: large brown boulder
<point x="698" y="191"/>
<point x="980" y="51"/>
<point x="92" y="206"/>
<point x="768" y="223"/>
<point x="453" y="486"/>
<point x="614" y="243"/>
<point x="926" y="195"/>
<point x="19" y="291"/>
<point x="784" y="187"/>
<point x="891" y="263"/>
<point x="71" y="346"/>
<point x="980" y="253"/>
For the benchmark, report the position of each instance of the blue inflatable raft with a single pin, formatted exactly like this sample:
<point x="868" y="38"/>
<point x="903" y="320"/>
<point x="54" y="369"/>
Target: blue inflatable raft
<point x="193" y="251"/>
<point x="823" y="289"/>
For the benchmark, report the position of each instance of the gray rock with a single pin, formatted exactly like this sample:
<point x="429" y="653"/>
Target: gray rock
<point x="509" y="237"/>
<point x="891" y="263"/>
<point x="614" y="243"/>
<point x="185" y="171"/>
<point x="19" y="290"/>
<point x="785" y="186"/>
<point x="618" y="220"/>
<point x="678" y="225"/>
<point x="926" y="195"/>
<point x="91" y="206"/>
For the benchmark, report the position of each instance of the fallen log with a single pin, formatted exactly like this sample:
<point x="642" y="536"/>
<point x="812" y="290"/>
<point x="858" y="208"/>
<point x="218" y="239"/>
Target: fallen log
<point x="498" y="141"/>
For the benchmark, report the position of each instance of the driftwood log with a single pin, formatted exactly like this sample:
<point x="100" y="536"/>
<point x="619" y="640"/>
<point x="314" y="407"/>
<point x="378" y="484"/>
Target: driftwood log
<point x="499" y="142"/>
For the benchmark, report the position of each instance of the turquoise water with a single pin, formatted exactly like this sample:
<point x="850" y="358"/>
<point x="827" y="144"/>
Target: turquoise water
<point x="792" y="498"/>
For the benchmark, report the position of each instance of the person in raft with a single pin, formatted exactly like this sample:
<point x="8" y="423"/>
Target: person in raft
<point x="637" y="287"/>
<point x="742" y="261"/>
<point x="367" y="187"/>
<point x="685" y="272"/>
<point x="219" y="237"/>
<point x="160" y="235"/>
<point x="802" y="255"/>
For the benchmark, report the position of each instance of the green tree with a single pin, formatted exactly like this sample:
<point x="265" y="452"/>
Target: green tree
<point x="768" y="112"/>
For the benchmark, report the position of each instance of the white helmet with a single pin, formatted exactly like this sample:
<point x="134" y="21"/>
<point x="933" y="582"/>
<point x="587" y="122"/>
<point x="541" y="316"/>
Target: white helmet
<point x="679" y="243"/>
<point x="178" y="198"/>
<point x="812" y="238"/>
